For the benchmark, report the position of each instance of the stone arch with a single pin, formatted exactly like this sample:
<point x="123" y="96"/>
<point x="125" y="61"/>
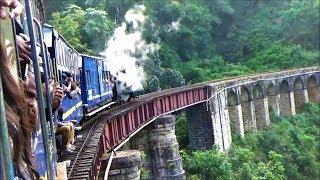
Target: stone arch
<point x="271" y="89"/>
<point x="257" y="92"/>
<point x="235" y="114"/>
<point x="298" y="93"/>
<point x="260" y="107"/>
<point x="272" y="98"/>
<point x="285" y="106"/>
<point x="284" y="86"/>
<point x="232" y="98"/>
<point x="245" y="94"/>
<point x="313" y="89"/>
<point x="247" y="109"/>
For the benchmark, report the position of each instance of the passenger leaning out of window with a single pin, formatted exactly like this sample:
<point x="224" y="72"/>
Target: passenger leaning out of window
<point x="17" y="114"/>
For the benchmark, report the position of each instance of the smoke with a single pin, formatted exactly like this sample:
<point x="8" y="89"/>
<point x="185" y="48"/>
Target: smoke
<point x="174" y="26"/>
<point x="127" y="50"/>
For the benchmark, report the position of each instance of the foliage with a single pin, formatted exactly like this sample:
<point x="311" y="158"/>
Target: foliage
<point x="152" y="84"/>
<point x="161" y="77"/>
<point x="277" y="57"/>
<point x="86" y="30"/>
<point x="202" y="39"/>
<point x="288" y="149"/>
<point x="144" y="171"/>
<point x="208" y="164"/>
<point x="181" y="130"/>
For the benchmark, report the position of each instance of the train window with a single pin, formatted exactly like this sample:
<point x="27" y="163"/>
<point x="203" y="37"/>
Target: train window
<point x="64" y="56"/>
<point x="88" y="76"/>
<point x="60" y="75"/>
<point x="105" y="75"/>
<point x="67" y="58"/>
<point x="109" y="75"/>
<point x="70" y="60"/>
<point x="60" y="54"/>
<point x="57" y="53"/>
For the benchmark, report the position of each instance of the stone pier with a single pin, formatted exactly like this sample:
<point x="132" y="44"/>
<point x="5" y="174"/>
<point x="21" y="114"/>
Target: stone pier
<point x="299" y="94"/>
<point x="286" y="98"/>
<point x="164" y="149"/>
<point x="273" y="97"/>
<point x="220" y="119"/>
<point x="261" y="106"/>
<point x="200" y="130"/>
<point x="125" y="165"/>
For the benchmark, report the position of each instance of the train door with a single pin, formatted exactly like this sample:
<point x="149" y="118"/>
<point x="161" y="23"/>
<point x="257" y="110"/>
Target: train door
<point x="92" y="82"/>
<point x="107" y="83"/>
<point x="100" y="78"/>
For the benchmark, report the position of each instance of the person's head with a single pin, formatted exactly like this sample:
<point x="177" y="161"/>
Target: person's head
<point x="19" y="124"/>
<point x="73" y="86"/>
<point x="31" y="94"/>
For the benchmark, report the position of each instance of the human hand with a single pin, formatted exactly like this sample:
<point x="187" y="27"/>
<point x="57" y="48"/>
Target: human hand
<point x="24" y="48"/>
<point x="15" y="6"/>
<point x="57" y="97"/>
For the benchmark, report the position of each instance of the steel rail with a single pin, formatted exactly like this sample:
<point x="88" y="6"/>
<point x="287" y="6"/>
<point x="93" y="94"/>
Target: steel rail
<point x="81" y="148"/>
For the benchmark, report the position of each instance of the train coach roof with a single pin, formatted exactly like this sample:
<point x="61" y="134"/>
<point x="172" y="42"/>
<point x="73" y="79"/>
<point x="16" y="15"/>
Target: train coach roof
<point x="94" y="57"/>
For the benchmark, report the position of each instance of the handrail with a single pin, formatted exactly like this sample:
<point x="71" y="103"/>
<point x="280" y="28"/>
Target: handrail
<point x="6" y="166"/>
<point x="48" y="96"/>
<point x="40" y="98"/>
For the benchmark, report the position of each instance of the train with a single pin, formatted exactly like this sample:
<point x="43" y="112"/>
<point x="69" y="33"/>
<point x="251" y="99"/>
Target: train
<point x="89" y="85"/>
<point x="98" y="89"/>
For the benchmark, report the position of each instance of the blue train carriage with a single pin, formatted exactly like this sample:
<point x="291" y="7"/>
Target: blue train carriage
<point x="67" y="64"/>
<point x="69" y="77"/>
<point x="96" y="84"/>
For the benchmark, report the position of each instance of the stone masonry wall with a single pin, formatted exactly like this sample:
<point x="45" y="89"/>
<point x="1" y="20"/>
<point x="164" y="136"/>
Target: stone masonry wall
<point x="200" y="129"/>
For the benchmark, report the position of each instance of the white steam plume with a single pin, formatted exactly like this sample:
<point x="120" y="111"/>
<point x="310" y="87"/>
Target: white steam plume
<point x="174" y="26"/>
<point x="126" y="49"/>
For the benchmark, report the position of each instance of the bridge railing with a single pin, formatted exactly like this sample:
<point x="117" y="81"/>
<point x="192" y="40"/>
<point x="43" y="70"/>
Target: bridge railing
<point x="122" y="125"/>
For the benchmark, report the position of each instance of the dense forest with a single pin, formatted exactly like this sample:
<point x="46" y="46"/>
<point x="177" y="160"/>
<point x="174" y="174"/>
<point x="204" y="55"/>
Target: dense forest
<point x="200" y="40"/>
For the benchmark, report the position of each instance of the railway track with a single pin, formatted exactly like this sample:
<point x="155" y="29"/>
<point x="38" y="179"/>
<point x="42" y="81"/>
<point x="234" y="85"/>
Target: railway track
<point x="87" y="144"/>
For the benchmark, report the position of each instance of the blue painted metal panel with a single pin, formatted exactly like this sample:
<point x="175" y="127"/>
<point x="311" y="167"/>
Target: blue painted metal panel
<point x="91" y="77"/>
<point x="72" y="108"/>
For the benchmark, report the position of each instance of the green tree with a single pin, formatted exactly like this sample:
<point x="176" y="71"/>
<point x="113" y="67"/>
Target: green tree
<point x="86" y="30"/>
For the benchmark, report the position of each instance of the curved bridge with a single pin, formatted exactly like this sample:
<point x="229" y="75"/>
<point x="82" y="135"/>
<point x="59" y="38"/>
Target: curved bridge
<point x="213" y="109"/>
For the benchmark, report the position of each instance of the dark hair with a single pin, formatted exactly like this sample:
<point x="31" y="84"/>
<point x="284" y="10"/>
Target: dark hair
<point x="19" y="124"/>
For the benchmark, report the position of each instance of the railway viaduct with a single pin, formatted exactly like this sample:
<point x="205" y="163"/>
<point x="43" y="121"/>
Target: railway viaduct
<point x="214" y="109"/>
